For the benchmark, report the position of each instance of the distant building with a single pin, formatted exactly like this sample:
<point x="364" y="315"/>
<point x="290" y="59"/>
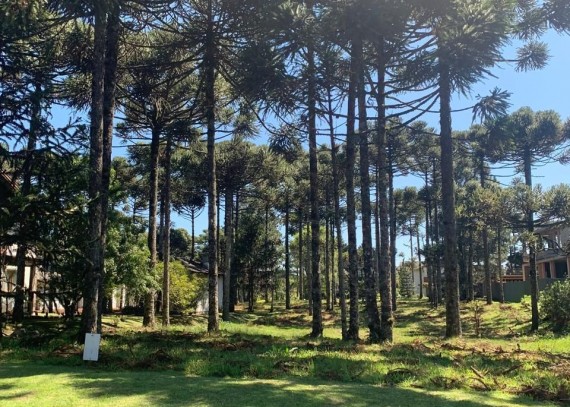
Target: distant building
<point x="201" y="270"/>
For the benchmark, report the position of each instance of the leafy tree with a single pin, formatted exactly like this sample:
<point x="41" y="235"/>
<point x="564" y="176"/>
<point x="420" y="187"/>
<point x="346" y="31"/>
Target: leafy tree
<point x="527" y="138"/>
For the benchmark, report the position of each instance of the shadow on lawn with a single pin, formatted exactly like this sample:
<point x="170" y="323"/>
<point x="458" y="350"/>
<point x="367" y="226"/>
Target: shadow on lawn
<point x="168" y="388"/>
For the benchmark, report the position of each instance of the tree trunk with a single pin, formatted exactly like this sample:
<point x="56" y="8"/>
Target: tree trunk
<point x="485" y="239"/>
<point x="428" y="257"/>
<point x="300" y="283"/>
<point x="420" y="264"/>
<point x="338" y="225"/>
<point x="470" y="279"/>
<point x="234" y="277"/>
<point x="95" y="209"/>
<point x="353" y="325"/>
<point x="229" y="237"/>
<point x="327" y="260"/>
<point x="368" y="257"/>
<point x="533" y="275"/>
<point x="287" y="255"/>
<point x="166" y="236"/>
<point x="500" y="265"/>
<point x="317" y="323"/>
<point x="35" y="121"/>
<point x="149" y="303"/>
<point x="387" y="243"/>
<point x="110" y="86"/>
<point x="452" y="315"/>
<point x="392" y="208"/>
<point x="438" y="278"/>
<point x="193" y="244"/>
<point x="210" y="94"/>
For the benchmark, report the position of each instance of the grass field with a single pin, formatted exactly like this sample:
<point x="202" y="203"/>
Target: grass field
<point x="265" y="357"/>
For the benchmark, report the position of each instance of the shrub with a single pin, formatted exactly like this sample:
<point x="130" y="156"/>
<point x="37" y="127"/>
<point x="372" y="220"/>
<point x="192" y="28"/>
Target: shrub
<point x="555" y="305"/>
<point x="185" y="288"/>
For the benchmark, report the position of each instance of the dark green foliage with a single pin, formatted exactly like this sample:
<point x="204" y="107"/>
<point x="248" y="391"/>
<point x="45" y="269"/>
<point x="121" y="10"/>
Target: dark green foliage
<point x="405" y="282"/>
<point x="555" y="305"/>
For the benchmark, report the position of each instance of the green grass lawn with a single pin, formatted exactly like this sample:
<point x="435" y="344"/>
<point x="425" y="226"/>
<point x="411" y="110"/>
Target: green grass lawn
<point x="31" y="384"/>
<point x="265" y="357"/>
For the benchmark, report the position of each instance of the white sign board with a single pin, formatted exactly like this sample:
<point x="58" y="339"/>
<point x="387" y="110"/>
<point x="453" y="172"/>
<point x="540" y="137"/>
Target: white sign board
<point x="91" y="349"/>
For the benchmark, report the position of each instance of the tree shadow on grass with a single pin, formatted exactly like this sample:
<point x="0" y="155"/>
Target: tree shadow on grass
<point x="175" y="389"/>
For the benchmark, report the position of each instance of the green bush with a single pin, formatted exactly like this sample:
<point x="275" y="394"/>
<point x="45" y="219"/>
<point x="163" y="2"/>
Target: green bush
<point x="555" y="305"/>
<point x="185" y="288"/>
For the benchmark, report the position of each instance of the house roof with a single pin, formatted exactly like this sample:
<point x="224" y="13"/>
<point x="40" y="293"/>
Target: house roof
<point x="193" y="266"/>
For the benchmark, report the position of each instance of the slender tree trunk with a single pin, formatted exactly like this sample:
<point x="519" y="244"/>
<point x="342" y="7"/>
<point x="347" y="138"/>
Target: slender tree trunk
<point x="420" y="264"/>
<point x="287" y="255"/>
<point x="470" y="279"/>
<point x="210" y="94"/>
<point x="95" y="209"/>
<point x="21" y="252"/>
<point x="412" y="259"/>
<point x="32" y="287"/>
<point x="110" y="86"/>
<point x="251" y="293"/>
<point x="428" y="257"/>
<point x="438" y="278"/>
<point x="301" y="243"/>
<point x="327" y="260"/>
<point x="533" y="275"/>
<point x="228" y="229"/>
<point x="234" y="278"/>
<point x="166" y="236"/>
<point x="500" y="265"/>
<point x="368" y="257"/>
<point x="393" y="209"/>
<point x="387" y="294"/>
<point x="317" y="323"/>
<point x="338" y="226"/>
<point x="353" y="325"/>
<point x="266" y="272"/>
<point x="452" y="316"/>
<point x="149" y="304"/>
<point x="485" y="239"/>
<point x="333" y="278"/>
<point x="377" y="228"/>
<point x="193" y="244"/>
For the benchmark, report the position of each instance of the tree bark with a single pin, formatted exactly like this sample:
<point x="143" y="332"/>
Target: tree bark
<point x="338" y="226"/>
<point x="500" y="265"/>
<point x="300" y="282"/>
<point x="368" y="257"/>
<point x="386" y="242"/>
<point x="149" y="303"/>
<point x="452" y="315"/>
<point x="229" y="237"/>
<point x="166" y="236"/>
<point x="392" y="208"/>
<point x="317" y="323"/>
<point x="21" y="252"/>
<point x="94" y="261"/>
<point x="485" y="239"/>
<point x="109" y="89"/>
<point x="533" y="275"/>
<point x="287" y="255"/>
<point x="421" y="273"/>
<point x="353" y="325"/>
<point x="210" y="94"/>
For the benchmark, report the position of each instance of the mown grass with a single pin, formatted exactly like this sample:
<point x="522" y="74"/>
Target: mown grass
<point x="497" y="361"/>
